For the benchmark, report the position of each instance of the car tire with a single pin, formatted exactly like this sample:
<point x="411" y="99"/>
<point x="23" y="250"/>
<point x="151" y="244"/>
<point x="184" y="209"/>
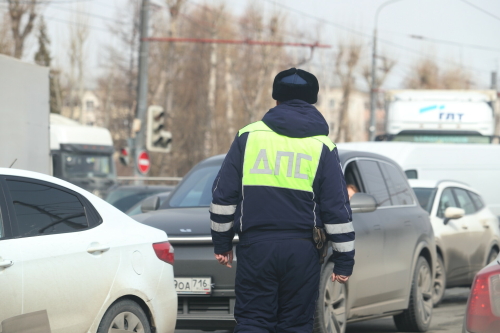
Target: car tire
<point x="126" y="316"/>
<point x="439" y="282"/>
<point x="492" y="255"/>
<point x="417" y="317"/>
<point x="331" y="307"/>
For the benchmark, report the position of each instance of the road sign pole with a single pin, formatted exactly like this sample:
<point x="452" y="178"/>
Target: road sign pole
<point x="142" y="85"/>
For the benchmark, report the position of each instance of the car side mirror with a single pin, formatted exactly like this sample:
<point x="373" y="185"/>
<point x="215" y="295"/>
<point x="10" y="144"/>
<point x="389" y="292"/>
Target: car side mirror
<point x="453" y="213"/>
<point x="150" y="204"/>
<point x="363" y="203"/>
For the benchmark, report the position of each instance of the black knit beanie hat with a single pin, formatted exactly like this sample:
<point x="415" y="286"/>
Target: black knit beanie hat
<point x="295" y="84"/>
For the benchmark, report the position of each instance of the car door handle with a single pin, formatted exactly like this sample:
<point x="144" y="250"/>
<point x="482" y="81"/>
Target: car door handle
<point x="407" y="223"/>
<point x="97" y="248"/>
<point x="465" y="227"/>
<point x="6" y="263"/>
<point x="376" y="227"/>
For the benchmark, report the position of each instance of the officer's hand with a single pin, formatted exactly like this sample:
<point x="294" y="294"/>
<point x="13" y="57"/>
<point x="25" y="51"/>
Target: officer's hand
<point x="339" y="278"/>
<point x="225" y="258"/>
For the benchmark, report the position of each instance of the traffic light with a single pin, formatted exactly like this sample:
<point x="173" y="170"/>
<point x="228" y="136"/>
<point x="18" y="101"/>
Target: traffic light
<point x="157" y="139"/>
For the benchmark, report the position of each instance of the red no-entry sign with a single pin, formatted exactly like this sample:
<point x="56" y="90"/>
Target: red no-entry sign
<point x="143" y="163"/>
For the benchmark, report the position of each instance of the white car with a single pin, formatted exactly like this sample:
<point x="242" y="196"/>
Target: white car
<point x="467" y="232"/>
<point x="73" y="262"/>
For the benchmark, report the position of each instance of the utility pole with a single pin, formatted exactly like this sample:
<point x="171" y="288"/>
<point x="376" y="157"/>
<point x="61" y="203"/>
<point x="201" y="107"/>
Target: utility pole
<point x="142" y="86"/>
<point x="374" y="85"/>
<point x="373" y="89"/>
<point x="494" y="80"/>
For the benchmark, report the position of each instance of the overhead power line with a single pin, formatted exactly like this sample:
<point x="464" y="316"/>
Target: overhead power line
<point x="233" y="41"/>
<point x="484" y="11"/>
<point x="440" y="41"/>
<point x="366" y="35"/>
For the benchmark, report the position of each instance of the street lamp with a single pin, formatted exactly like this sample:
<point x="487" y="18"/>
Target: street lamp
<point x="373" y="87"/>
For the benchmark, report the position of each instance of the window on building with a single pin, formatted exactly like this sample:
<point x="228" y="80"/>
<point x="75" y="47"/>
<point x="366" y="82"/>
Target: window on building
<point x="89" y="105"/>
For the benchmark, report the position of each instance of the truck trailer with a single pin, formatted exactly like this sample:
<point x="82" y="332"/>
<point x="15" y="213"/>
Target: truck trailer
<point x="440" y="116"/>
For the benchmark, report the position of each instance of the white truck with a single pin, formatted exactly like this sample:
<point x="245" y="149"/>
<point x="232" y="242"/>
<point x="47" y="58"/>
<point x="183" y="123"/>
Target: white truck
<point x="477" y="165"/>
<point x="33" y="139"/>
<point x="24" y="115"/>
<point x="440" y="116"/>
<point x="82" y="155"/>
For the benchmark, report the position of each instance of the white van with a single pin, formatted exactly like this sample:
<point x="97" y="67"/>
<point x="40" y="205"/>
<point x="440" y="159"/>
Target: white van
<point x="477" y="165"/>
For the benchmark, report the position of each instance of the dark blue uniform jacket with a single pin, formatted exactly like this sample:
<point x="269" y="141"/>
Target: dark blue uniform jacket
<point x="258" y="213"/>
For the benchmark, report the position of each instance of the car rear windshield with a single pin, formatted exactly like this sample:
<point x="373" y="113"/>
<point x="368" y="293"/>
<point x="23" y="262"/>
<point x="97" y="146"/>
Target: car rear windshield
<point x="196" y="189"/>
<point x="425" y="197"/>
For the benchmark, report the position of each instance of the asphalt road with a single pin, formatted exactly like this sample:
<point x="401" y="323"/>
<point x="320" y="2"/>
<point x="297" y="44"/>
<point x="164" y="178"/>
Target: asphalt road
<point x="447" y="317"/>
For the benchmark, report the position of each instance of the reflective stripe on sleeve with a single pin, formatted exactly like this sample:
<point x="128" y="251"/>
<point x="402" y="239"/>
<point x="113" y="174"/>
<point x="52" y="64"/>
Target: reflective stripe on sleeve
<point x="343" y="247"/>
<point x="342" y="228"/>
<point x="222" y="209"/>
<point x="221" y="227"/>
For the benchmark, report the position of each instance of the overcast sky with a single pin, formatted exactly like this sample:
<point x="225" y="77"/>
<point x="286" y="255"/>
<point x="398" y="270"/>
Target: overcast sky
<point x="475" y="32"/>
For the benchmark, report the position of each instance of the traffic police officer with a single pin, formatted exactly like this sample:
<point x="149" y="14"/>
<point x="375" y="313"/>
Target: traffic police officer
<point x="280" y="179"/>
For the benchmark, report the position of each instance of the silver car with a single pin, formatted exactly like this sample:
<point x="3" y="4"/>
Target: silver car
<point x="395" y="252"/>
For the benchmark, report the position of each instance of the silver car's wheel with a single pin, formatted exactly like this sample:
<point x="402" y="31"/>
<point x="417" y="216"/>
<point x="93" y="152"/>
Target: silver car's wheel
<point x="124" y="316"/>
<point x="126" y="322"/>
<point x="439" y="282"/>
<point x="331" y="316"/>
<point x="417" y="317"/>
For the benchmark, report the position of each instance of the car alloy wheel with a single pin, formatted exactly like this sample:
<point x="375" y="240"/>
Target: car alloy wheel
<point x="124" y="316"/>
<point x="418" y="316"/>
<point x="331" y="308"/>
<point x="334" y="307"/>
<point x="126" y="322"/>
<point x="424" y="295"/>
<point x="439" y="282"/>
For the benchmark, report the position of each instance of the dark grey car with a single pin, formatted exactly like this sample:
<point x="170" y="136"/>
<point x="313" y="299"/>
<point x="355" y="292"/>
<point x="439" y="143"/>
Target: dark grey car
<point x="395" y="251"/>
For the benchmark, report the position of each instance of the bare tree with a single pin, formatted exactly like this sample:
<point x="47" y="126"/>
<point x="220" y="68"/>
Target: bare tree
<point x="6" y="41"/>
<point x="383" y="71"/>
<point x="427" y="74"/>
<point x="79" y="34"/>
<point x="346" y="65"/>
<point x="22" y="11"/>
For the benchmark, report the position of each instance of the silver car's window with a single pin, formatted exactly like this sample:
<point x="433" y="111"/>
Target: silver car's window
<point x="42" y="210"/>
<point x="398" y="186"/>
<point x="374" y="182"/>
<point x="196" y="190"/>
<point x="425" y="197"/>
<point x="478" y="201"/>
<point x="447" y="200"/>
<point x="464" y="201"/>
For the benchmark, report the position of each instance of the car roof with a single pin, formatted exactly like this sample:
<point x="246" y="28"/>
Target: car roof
<point x="141" y="187"/>
<point x="41" y="176"/>
<point x="426" y="183"/>
<point x="344" y="156"/>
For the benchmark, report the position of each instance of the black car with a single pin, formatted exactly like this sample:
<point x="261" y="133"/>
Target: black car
<point x="395" y="251"/>
<point x="125" y="196"/>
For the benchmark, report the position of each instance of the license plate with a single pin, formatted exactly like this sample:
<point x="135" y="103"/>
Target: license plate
<point x="198" y="285"/>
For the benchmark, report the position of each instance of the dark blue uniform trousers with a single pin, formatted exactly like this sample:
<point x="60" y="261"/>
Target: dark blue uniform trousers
<point x="276" y="286"/>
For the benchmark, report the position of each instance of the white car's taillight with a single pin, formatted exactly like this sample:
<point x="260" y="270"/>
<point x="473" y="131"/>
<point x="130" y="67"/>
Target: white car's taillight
<point x="483" y="310"/>
<point x="165" y="252"/>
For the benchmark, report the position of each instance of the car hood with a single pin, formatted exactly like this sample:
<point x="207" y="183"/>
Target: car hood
<point x="177" y="222"/>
